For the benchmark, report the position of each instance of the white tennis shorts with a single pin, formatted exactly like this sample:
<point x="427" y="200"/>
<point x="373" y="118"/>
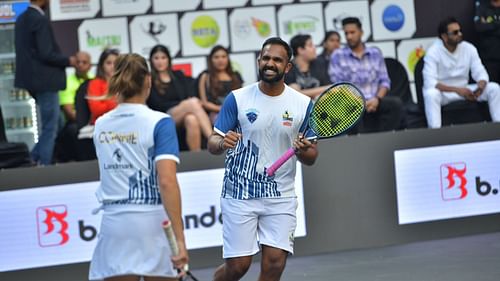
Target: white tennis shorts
<point x="250" y="223"/>
<point x="131" y="241"/>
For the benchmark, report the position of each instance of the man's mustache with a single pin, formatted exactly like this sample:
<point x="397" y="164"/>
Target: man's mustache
<point x="269" y="68"/>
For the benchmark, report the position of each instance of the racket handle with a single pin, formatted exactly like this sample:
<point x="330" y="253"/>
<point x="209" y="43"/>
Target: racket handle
<point x="169" y="232"/>
<point x="172" y="242"/>
<point x="276" y="165"/>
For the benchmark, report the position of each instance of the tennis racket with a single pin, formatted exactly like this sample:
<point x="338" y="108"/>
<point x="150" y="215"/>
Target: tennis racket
<point x="336" y="111"/>
<point x="169" y="232"/>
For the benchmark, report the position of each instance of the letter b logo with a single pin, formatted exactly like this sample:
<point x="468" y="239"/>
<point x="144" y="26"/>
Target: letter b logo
<point x="52" y="225"/>
<point x="453" y="181"/>
<point x="87" y="232"/>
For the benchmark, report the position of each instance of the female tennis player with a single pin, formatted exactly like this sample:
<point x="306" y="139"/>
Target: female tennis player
<point x="137" y="151"/>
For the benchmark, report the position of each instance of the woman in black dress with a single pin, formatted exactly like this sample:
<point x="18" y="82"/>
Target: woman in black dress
<point x="217" y="81"/>
<point x="174" y="93"/>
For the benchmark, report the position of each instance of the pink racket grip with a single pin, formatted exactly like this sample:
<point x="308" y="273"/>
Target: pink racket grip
<point x="276" y="165"/>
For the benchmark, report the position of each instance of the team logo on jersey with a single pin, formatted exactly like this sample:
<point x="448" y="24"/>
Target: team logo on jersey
<point x="118" y="163"/>
<point x="117" y="154"/>
<point x="252" y="114"/>
<point x="110" y="137"/>
<point x="287" y="118"/>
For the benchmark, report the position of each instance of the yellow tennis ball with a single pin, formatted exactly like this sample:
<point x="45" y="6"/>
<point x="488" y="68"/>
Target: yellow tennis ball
<point x="205" y="31"/>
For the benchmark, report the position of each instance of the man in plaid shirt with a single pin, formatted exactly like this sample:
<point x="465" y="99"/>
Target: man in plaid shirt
<point x="364" y="66"/>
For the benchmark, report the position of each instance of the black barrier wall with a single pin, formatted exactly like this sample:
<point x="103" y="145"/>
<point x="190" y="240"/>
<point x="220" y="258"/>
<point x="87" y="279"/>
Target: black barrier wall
<point x="350" y="196"/>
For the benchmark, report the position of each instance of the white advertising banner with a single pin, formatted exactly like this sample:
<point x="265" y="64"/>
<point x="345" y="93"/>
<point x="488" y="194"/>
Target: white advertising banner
<point x="54" y="225"/>
<point x="393" y="19"/>
<point x="301" y="19"/>
<point x="246" y="65"/>
<point x="250" y="27"/>
<point x="98" y="34"/>
<point x="73" y="9"/>
<point x="148" y="31"/>
<point x="211" y="4"/>
<point x="387" y="48"/>
<point x="200" y="31"/>
<point x="449" y="181"/>
<point x="413" y="89"/>
<point x="125" y="7"/>
<point x="273" y="2"/>
<point x="162" y="6"/>
<point x="335" y="12"/>
<point x="410" y="51"/>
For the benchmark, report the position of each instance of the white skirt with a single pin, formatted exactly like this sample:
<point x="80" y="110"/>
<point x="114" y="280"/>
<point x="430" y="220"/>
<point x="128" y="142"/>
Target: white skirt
<point x="131" y="241"/>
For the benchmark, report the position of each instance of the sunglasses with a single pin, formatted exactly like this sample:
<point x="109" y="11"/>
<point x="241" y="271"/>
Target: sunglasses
<point x="455" y="32"/>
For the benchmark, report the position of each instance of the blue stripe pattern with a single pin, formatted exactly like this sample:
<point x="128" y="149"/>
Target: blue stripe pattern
<point x="241" y="179"/>
<point x="143" y="189"/>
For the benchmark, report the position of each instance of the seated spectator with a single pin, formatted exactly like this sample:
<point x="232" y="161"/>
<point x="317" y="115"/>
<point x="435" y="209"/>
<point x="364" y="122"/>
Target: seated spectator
<point x="330" y="43"/>
<point x="487" y="22"/>
<point x="97" y="94"/>
<point x="85" y="145"/>
<point x="92" y="101"/>
<point x="447" y="65"/>
<point x="217" y="81"/>
<point x="73" y="82"/>
<point x="364" y="66"/>
<point x="307" y="74"/>
<point x="66" y="142"/>
<point x="174" y="93"/>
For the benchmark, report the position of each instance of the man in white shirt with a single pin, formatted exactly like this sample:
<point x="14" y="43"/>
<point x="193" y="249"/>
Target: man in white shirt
<point x="256" y="124"/>
<point x="447" y="65"/>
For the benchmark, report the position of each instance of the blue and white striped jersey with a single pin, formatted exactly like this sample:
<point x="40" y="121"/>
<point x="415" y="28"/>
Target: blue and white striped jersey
<point x="268" y="126"/>
<point x="129" y="140"/>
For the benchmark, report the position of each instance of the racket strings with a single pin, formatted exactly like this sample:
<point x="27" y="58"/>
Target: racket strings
<point x="336" y="111"/>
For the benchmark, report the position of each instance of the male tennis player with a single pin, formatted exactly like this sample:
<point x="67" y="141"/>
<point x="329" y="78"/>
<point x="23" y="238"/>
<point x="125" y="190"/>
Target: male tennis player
<point x="256" y="125"/>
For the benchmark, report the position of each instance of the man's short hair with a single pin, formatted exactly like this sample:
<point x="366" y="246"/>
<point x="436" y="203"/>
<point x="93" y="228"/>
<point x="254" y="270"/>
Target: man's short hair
<point x="352" y="20"/>
<point x="443" y="25"/>
<point x="299" y="41"/>
<point x="278" y="41"/>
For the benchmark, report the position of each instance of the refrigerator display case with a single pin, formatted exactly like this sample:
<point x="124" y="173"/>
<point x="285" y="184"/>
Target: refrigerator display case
<point x="18" y="108"/>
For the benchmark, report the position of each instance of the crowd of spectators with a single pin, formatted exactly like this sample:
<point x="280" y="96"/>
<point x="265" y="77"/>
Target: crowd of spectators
<point x="194" y="102"/>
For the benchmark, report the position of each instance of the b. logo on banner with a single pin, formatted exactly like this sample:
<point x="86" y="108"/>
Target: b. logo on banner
<point x="52" y="225"/>
<point x="453" y="181"/>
